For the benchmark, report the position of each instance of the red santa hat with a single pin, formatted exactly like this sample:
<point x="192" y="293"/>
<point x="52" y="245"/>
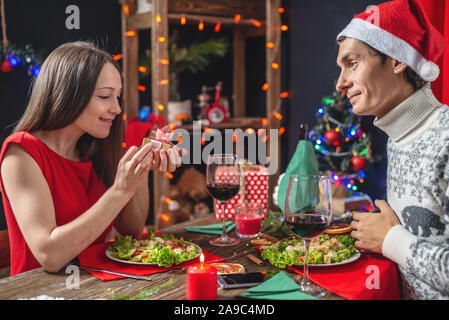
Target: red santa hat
<point x="401" y="30"/>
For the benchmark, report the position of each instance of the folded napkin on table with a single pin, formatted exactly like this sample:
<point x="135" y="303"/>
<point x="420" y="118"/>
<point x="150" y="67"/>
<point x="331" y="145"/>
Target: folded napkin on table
<point x="279" y="287"/>
<point x="95" y="257"/>
<point x="212" y="228"/>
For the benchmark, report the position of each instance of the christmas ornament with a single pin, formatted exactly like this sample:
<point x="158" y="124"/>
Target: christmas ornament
<point x="358" y="163"/>
<point x="333" y="138"/>
<point x="5" y="67"/>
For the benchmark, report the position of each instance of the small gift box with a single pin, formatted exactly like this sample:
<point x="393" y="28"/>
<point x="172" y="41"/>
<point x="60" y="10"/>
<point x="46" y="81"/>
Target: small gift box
<point x="160" y="141"/>
<point x="253" y="189"/>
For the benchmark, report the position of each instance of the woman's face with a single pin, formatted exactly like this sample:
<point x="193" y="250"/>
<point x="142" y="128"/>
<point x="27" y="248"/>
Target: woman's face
<point x="96" y="119"/>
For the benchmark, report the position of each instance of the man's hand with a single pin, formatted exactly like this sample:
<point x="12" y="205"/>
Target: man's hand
<point x="370" y="229"/>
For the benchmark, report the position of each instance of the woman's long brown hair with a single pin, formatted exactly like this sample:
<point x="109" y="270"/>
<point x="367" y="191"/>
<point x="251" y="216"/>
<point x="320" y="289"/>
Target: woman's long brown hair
<point x="60" y="93"/>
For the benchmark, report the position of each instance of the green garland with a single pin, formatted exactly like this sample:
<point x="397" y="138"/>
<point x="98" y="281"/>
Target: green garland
<point x="19" y="56"/>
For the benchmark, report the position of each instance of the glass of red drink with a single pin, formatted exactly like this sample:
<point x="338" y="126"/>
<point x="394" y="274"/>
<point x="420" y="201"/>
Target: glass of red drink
<point x="248" y="218"/>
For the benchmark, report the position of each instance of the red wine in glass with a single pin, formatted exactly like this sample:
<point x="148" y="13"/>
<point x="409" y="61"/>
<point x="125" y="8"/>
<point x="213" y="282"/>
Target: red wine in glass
<point x="223" y="183"/>
<point x="223" y="191"/>
<point x="308" y="212"/>
<point x="307" y="225"/>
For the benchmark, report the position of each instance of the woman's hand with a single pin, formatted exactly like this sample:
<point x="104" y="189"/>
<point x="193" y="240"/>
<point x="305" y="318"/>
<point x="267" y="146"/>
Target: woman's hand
<point x="167" y="161"/>
<point x="370" y="229"/>
<point x="133" y="169"/>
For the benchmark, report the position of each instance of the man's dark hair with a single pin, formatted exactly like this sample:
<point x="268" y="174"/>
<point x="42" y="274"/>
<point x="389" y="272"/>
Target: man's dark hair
<point x="410" y="75"/>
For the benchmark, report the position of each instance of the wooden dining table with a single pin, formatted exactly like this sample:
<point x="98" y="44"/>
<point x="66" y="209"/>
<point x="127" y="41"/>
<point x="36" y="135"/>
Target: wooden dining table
<point x="39" y="282"/>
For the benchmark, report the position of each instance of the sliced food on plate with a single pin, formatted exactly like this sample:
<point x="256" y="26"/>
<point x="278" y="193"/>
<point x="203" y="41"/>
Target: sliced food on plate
<point x="161" y="250"/>
<point x="324" y="250"/>
<point x="228" y="268"/>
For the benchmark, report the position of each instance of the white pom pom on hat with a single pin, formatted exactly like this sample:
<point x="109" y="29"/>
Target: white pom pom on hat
<point x="401" y="30"/>
<point x="428" y="70"/>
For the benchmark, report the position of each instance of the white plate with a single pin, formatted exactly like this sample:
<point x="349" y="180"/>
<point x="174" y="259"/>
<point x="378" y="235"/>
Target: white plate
<point x="355" y="257"/>
<point x="352" y="259"/>
<point x="109" y="255"/>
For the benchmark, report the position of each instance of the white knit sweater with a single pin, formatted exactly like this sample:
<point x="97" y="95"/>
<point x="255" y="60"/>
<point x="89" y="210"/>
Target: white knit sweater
<point x="418" y="192"/>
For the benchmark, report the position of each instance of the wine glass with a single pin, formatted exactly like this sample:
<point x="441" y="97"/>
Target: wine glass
<point x="223" y="183"/>
<point x="308" y="213"/>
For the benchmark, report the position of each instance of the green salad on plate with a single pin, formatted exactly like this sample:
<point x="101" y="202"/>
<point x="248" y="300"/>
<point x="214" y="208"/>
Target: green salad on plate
<point x="323" y="250"/>
<point x="162" y="250"/>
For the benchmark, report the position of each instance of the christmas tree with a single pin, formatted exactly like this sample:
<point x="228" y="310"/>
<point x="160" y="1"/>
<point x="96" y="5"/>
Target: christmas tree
<point x="343" y="150"/>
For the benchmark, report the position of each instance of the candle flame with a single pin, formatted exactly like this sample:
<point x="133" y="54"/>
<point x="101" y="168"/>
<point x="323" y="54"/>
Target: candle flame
<point x="202" y="257"/>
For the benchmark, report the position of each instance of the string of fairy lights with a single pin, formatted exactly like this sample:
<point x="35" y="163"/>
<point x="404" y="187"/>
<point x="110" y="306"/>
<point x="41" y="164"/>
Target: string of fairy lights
<point x="217" y="27"/>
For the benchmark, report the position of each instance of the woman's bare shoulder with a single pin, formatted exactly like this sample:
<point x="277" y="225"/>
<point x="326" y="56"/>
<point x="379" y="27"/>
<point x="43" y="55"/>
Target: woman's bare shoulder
<point x="17" y="162"/>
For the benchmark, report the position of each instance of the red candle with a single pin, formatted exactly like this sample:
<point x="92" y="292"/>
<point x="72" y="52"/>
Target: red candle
<point x="201" y="281"/>
<point x="248" y="224"/>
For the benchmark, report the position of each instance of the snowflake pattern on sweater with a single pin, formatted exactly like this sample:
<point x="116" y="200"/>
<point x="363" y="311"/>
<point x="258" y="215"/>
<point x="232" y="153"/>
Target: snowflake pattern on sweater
<point x="418" y="192"/>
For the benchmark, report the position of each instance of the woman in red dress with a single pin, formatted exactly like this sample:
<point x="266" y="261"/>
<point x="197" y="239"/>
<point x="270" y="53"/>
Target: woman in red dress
<point x="65" y="181"/>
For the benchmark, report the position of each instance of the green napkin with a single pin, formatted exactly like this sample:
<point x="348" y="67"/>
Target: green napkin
<point x="279" y="287"/>
<point x="303" y="162"/>
<point x="211" y="228"/>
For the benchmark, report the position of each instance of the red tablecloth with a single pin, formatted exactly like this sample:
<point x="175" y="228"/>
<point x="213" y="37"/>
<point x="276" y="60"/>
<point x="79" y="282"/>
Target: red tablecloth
<point x="95" y="257"/>
<point x="371" y="277"/>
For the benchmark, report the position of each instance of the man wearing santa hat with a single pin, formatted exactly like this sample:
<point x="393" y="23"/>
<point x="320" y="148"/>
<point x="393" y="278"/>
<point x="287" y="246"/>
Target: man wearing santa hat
<point x="387" y="57"/>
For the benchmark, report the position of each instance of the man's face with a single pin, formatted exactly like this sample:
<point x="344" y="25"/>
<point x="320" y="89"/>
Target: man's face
<point x="370" y="85"/>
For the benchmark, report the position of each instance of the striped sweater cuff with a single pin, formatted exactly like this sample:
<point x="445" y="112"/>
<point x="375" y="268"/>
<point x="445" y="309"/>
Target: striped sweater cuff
<point x="396" y="245"/>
